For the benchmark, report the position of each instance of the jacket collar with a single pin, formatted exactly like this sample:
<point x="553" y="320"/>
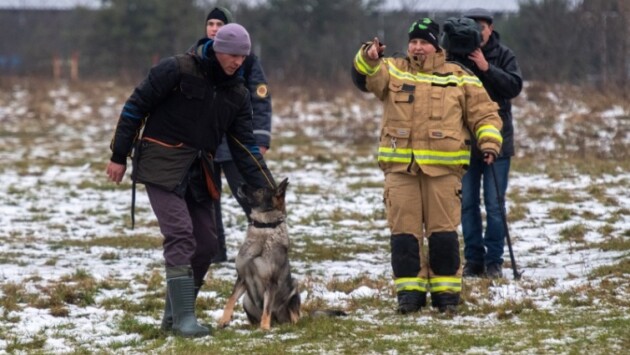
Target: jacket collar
<point x="429" y="64"/>
<point x="204" y="53"/>
<point x="490" y="49"/>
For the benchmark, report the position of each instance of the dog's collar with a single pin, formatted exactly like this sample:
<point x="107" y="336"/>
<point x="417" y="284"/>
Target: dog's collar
<point x="267" y="225"/>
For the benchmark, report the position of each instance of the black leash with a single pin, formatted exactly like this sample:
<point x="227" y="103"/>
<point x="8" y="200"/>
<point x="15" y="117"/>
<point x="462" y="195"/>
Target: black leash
<point x="133" y="203"/>
<point x="517" y="274"/>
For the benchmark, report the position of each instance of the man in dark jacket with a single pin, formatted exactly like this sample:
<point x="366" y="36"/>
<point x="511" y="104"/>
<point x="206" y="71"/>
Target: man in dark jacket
<point x="496" y="66"/>
<point x="186" y="105"/>
<point x="256" y="83"/>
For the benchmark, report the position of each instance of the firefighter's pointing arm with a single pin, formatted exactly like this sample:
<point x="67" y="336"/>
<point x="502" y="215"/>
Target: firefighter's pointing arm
<point x="375" y="50"/>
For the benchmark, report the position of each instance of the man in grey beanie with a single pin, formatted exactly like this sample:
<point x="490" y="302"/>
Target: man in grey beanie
<point x="177" y="107"/>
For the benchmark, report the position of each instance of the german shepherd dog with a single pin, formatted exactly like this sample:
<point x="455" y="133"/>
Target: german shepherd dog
<point x="262" y="263"/>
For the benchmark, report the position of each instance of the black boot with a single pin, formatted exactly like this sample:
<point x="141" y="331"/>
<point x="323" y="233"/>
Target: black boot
<point x="221" y="256"/>
<point x="411" y="301"/>
<point x="181" y="291"/>
<point x="445" y="302"/>
<point x="494" y="271"/>
<point x="473" y="270"/>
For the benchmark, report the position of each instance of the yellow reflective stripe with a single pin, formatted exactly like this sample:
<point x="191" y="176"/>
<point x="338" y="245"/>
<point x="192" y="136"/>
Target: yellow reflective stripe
<point x="433" y="79"/>
<point x="442" y="284"/>
<point x="430" y="157"/>
<point x="489" y="131"/>
<point x="394" y="155"/>
<point x="411" y="284"/>
<point x="363" y="67"/>
<point x="360" y="63"/>
<point x="461" y="157"/>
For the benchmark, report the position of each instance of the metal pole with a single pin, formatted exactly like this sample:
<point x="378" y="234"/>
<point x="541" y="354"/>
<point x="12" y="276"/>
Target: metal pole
<point x="517" y="275"/>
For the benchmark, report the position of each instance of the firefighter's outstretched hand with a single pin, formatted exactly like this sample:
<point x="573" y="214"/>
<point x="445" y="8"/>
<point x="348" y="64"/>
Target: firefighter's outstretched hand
<point x="375" y="50"/>
<point x="116" y="171"/>
<point x="489" y="157"/>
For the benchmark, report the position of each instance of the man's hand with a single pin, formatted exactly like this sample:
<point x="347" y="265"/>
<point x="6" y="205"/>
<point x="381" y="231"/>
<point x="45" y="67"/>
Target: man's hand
<point x="116" y="171"/>
<point x="480" y="61"/>
<point x="489" y="157"/>
<point x="373" y="52"/>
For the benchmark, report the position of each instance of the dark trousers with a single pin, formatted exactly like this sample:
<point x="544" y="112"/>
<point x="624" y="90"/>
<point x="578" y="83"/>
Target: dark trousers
<point x="188" y="227"/>
<point x="235" y="180"/>
<point x="484" y="248"/>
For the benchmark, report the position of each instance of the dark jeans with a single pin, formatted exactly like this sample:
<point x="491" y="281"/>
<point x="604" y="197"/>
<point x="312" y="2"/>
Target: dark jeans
<point x="188" y="227"/>
<point x="479" y="248"/>
<point x="235" y="180"/>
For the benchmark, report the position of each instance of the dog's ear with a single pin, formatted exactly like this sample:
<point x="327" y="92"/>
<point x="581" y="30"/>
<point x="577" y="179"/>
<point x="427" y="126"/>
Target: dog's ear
<point x="282" y="188"/>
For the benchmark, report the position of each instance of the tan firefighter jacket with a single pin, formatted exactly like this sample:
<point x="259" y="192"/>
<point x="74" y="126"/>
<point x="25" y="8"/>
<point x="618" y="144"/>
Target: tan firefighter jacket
<point x="430" y="110"/>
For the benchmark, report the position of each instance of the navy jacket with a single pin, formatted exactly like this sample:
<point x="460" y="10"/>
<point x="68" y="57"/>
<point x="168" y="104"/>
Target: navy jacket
<point x="256" y="83"/>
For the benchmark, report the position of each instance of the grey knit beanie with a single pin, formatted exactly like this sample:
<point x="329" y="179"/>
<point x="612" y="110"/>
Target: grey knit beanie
<point x="232" y="39"/>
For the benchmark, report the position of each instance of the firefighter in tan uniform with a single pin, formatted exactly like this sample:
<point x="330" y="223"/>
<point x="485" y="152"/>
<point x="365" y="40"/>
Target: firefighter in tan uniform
<point x="430" y="109"/>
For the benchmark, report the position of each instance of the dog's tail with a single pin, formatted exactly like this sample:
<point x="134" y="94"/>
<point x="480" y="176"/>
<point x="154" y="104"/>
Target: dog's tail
<point x="327" y="313"/>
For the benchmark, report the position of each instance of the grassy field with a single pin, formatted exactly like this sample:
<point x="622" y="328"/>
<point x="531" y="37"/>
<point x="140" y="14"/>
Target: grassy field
<point x="75" y="279"/>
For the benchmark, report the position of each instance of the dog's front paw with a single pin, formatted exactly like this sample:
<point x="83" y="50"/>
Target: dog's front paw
<point x="224" y="321"/>
<point x="265" y="322"/>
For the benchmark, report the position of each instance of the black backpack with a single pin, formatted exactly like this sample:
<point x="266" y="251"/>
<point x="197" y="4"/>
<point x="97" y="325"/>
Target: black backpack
<point x="460" y="36"/>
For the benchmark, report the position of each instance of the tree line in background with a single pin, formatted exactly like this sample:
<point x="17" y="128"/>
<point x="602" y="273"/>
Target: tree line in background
<point x="310" y="42"/>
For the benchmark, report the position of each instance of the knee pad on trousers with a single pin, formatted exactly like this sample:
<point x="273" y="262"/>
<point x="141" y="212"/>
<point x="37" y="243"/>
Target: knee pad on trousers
<point x="405" y="255"/>
<point x="444" y="253"/>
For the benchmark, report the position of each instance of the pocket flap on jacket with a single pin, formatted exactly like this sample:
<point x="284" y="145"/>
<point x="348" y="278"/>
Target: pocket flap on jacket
<point x="441" y="133"/>
<point x="398" y="132"/>
<point x="397" y="87"/>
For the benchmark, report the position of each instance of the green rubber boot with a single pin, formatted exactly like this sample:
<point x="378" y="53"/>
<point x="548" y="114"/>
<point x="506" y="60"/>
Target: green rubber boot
<point x="167" y="319"/>
<point x="181" y="291"/>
